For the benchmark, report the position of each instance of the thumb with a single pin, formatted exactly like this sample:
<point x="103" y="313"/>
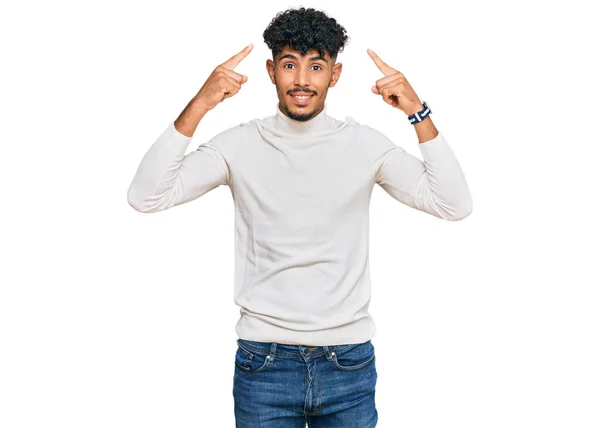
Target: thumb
<point x="375" y="90"/>
<point x="244" y="79"/>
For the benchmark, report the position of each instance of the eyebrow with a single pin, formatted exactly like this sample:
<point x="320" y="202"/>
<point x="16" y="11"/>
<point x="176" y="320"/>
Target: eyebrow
<point x="314" y="58"/>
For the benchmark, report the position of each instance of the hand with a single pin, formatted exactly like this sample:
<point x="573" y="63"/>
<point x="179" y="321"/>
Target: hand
<point x="223" y="82"/>
<point x="394" y="88"/>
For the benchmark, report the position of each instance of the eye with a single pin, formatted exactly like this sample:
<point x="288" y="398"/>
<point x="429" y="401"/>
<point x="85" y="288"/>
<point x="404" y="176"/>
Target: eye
<point x="289" y="63"/>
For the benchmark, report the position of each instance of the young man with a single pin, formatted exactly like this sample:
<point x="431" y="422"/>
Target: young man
<point x="301" y="183"/>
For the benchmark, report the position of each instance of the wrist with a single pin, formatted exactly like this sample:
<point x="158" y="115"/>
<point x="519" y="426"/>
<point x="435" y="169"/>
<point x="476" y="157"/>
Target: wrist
<point x="414" y="109"/>
<point x="199" y="105"/>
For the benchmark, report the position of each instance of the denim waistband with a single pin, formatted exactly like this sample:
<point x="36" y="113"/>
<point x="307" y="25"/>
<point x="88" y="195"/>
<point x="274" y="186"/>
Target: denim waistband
<point x="287" y="350"/>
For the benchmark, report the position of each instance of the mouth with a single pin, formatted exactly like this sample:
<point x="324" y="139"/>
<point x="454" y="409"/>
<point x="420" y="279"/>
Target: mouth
<point x="301" y="99"/>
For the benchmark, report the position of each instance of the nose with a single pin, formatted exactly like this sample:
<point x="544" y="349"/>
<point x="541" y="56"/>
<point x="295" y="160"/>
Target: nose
<point x="301" y="77"/>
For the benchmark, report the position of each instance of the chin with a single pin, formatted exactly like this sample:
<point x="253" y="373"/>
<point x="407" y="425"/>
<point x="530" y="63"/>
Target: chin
<point x="300" y="113"/>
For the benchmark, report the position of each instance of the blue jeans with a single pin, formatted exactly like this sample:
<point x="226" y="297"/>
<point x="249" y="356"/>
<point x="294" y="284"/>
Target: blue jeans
<point x="288" y="386"/>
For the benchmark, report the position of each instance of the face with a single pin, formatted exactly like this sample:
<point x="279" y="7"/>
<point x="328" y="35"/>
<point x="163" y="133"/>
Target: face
<point x="310" y="74"/>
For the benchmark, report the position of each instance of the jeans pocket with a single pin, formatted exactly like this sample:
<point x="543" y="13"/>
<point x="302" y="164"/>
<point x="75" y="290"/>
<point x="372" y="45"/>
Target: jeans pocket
<point x="354" y="357"/>
<point x="249" y="361"/>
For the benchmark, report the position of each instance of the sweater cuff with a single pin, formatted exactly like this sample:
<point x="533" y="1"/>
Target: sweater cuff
<point x="173" y="140"/>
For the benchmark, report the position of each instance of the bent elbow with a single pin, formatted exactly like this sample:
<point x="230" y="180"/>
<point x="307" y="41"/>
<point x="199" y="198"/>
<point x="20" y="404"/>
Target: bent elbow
<point x="137" y="206"/>
<point x="462" y="212"/>
<point x="138" y="203"/>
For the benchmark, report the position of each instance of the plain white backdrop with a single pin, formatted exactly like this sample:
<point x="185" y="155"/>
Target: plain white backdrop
<point x="114" y="318"/>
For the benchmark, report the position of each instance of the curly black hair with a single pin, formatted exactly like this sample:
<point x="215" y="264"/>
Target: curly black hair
<point x="304" y="30"/>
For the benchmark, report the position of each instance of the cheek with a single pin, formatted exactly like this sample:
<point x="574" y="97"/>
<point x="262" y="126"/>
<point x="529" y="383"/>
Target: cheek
<point x="281" y="83"/>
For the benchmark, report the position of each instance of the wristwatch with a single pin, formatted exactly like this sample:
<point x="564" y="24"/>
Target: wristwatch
<point x="420" y="115"/>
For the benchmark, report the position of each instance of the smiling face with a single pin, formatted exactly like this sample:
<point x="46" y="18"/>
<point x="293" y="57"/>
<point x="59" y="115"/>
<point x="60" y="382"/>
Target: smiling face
<point x="309" y="75"/>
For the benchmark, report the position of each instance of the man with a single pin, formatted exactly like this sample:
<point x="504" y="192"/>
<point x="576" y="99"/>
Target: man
<point x="301" y="182"/>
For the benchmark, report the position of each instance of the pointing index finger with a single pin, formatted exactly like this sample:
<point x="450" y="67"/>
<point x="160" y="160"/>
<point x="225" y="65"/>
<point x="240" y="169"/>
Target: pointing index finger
<point x="385" y="69"/>
<point x="232" y="62"/>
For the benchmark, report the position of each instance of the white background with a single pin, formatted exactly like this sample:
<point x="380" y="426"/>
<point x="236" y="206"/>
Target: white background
<point x="114" y="318"/>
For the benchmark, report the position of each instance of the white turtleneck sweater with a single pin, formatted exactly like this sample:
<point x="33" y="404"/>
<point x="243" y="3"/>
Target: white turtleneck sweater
<point x="301" y="192"/>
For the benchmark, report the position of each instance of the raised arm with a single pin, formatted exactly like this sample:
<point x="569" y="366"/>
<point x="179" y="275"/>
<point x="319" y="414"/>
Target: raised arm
<point x="167" y="176"/>
<point x="436" y="186"/>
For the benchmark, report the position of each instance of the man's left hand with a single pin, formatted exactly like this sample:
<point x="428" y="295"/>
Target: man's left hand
<point x="394" y="88"/>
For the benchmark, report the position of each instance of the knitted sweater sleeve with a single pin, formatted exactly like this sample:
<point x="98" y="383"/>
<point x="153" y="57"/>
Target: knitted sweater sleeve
<point x="167" y="177"/>
<point x="435" y="185"/>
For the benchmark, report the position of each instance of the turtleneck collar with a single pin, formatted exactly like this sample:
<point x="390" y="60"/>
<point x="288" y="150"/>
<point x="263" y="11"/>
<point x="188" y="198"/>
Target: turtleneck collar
<point x="286" y="124"/>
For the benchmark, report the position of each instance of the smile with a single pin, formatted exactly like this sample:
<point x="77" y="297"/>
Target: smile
<point x="301" y="99"/>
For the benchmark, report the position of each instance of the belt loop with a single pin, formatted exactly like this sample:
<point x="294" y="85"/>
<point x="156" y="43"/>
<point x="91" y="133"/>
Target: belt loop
<point x="272" y="354"/>
<point x="327" y="352"/>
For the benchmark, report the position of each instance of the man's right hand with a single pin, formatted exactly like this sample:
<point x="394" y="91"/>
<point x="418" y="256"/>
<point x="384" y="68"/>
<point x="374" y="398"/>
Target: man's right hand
<point x="223" y="81"/>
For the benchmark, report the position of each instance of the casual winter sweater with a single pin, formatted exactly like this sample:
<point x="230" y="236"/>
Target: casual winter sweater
<point x="301" y="193"/>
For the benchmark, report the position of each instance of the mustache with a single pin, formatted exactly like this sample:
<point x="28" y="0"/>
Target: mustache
<point x="302" y="92"/>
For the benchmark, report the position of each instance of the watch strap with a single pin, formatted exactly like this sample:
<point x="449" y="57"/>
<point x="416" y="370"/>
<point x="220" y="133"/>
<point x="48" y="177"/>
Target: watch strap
<point x="420" y="115"/>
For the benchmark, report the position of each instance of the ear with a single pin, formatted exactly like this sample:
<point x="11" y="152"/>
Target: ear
<point x="335" y="75"/>
<point x="271" y="70"/>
